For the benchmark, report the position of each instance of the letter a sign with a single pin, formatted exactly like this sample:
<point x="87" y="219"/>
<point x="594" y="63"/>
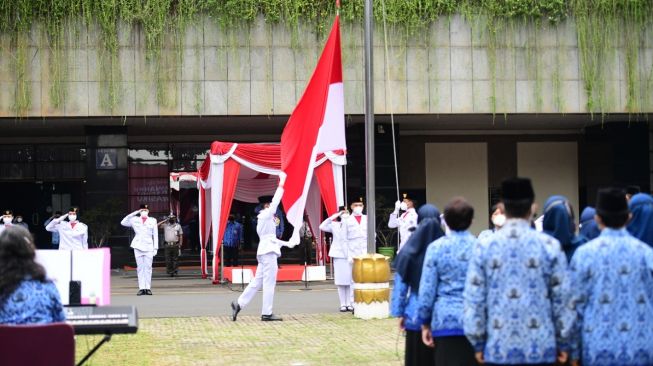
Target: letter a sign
<point x="105" y="159"/>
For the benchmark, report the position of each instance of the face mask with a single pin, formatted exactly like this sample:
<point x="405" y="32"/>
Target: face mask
<point x="499" y="220"/>
<point x="6" y="220"/>
<point x="144" y="213"/>
<point x="403" y="206"/>
<point x="20" y="219"/>
<point x="72" y="218"/>
<point x="358" y="210"/>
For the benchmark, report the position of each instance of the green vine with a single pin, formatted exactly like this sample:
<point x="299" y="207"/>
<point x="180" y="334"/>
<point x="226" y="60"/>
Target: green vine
<point x="603" y="26"/>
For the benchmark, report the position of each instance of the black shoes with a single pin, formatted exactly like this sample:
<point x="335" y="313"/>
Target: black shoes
<point x="140" y="293"/>
<point x="235" y="309"/>
<point x="148" y="292"/>
<point x="344" y="309"/>
<point x="271" y="318"/>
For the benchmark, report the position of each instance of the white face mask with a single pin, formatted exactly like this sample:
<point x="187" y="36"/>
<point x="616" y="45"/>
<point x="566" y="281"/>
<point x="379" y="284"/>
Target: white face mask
<point x="499" y="220"/>
<point x="6" y="220"/>
<point x="72" y="218"/>
<point x="145" y="213"/>
<point x="358" y="210"/>
<point x="20" y="219"/>
<point x="403" y="206"/>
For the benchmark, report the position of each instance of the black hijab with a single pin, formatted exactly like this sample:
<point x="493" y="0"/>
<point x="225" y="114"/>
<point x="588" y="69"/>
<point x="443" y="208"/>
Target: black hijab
<point x="411" y="257"/>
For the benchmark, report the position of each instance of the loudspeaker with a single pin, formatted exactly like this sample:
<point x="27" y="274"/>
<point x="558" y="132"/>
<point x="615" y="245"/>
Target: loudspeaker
<point x="75" y="293"/>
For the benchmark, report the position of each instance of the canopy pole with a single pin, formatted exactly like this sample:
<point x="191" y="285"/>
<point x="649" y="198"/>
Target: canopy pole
<point x="370" y="184"/>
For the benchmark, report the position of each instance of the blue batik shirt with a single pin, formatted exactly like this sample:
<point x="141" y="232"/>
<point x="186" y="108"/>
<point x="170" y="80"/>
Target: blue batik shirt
<point x="515" y="297"/>
<point x="443" y="281"/>
<point x="612" y="292"/>
<point x="233" y="234"/>
<point x="404" y="304"/>
<point x="33" y="302"/>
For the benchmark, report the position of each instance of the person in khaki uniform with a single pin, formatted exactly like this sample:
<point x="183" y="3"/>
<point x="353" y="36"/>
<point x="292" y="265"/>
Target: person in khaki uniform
<point x="172" y="235"/>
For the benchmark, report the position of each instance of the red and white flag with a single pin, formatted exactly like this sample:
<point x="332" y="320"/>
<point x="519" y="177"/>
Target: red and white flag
<point x="317" y="125"/>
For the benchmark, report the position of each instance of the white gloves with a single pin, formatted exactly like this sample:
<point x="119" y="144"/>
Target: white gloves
<point x="282" y="179"/>
<point x="291" y="243"/>
<point x="397" y="206"/>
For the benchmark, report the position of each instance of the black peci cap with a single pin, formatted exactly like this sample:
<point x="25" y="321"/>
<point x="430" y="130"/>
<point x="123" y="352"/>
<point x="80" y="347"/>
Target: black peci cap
<point x="7" y="213"/>
<point x="265" y="199"/>
<point x="144" y="207"/>
<point x="611" y="201"/>
<point x="517" y="189"/>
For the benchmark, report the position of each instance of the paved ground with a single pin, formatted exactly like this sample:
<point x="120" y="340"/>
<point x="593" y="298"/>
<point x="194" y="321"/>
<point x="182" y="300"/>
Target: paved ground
<point x="189" y="295"/>
<point x="187" y="322"/>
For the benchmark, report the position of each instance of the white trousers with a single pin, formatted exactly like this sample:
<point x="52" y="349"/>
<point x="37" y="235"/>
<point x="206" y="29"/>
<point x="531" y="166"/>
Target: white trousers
<point x="266" y="278"/>
<point x="346" y="295"/>
<point x="144" y="269"/>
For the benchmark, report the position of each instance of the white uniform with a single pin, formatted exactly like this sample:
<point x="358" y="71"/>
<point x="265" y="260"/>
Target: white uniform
<point x="269" y="249"/>
<point x="4" y="226"/>
<point x="356" y="234"/>
<point x="145" y="244"/>
<point x="405" y="222"/>
<point x="342" y="261"/>
<point x="72" y="235"/>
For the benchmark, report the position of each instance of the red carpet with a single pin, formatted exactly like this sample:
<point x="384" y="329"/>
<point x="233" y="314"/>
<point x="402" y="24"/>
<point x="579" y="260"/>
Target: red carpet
<point x="287" y="272"/>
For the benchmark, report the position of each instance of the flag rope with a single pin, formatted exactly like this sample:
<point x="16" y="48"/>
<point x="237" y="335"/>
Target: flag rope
<point x="389" y="91"/>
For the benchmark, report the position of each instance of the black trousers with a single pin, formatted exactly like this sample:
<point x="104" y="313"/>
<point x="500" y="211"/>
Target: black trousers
<point x="230" y="256"/>
<point x="453" y="351"/>
<point x="417" y="353"/>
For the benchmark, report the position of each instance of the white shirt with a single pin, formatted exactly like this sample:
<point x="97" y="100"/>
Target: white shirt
<point x="266" y="228"/>
<point x="339" y="244"/>
<point x="4" y="226"/>
<point x="405" y="222"/>
<point x="146" y="236"/>
<point x="71" y="237"/>
<point x="356" y="234"/>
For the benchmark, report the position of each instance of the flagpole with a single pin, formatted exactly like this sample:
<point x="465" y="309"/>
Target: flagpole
<point x="369" y="131"/>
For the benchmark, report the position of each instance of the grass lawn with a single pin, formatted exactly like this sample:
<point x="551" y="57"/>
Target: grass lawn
<point x="317" y="339"/>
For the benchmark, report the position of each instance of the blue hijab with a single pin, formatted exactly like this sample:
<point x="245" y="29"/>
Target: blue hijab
<point x="588" y="227"/>
<point x="559" y="223"/>
<point x="411" y="257"/>
<point x="641" y="225"/>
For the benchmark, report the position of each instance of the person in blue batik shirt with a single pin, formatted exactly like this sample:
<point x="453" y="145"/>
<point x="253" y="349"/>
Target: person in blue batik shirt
<point x="588" y="227"/>
<point x="516" y="290"/>
<point x="26" y="296"/>
<point x="441" y="288"/>
<point x="559" y="222"/>
<point x="641" y="223"/>
<point x="612" y="291"/>
<point x="232" y="240"/>
<point x="407" y="281"/>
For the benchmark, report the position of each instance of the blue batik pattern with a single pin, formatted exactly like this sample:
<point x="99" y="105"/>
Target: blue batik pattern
<point x="33" y="302"/>
<point x="515" y="297"/>
<point x="443" y="281"/>
<point x="404" y="304"/>
<point x="612" y="292"/>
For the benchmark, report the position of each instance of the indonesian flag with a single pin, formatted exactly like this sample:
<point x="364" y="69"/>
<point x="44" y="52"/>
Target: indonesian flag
<point x="317" y="125"/>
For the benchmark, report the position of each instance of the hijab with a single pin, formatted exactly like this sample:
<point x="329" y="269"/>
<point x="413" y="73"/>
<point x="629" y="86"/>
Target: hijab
<point x="588" y="227"/>
<point x="559" y="223"/>
<point x="641" y="224"/>
<point x="411" y="257"/>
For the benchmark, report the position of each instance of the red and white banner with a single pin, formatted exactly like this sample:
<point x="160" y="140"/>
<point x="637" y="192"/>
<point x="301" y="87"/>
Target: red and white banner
<point x="317" y="125"/>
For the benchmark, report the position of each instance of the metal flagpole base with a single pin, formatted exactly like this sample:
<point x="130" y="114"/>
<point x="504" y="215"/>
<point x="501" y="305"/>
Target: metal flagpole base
<point x="305" y="288"/>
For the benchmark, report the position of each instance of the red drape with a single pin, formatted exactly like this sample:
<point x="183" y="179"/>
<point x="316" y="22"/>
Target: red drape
<point x="231" y="170"/>
<point x="325" y="179"/>
<point x="267" y="155"/>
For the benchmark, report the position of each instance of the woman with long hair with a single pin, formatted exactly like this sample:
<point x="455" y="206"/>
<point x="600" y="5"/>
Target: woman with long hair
<point x="26" y="296"/>
<point x="406" y="284"/>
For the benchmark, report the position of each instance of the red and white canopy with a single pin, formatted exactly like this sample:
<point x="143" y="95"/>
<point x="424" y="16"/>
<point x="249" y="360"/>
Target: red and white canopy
<point x="247" y="171"/>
